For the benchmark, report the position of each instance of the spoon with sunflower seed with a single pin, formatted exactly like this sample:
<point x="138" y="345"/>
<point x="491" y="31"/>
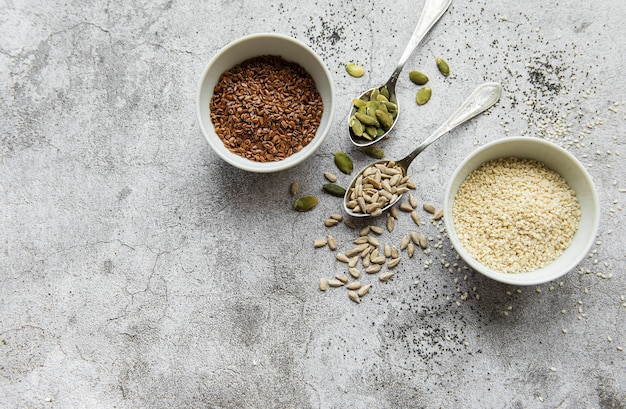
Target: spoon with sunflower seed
<point x="378" y="186"/>
<point x="375" y="112"/>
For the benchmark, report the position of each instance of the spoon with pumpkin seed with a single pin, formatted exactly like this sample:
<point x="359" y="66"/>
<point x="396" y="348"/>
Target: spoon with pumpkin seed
<point x="380" y="185"/>
<point x="375" y="112"/>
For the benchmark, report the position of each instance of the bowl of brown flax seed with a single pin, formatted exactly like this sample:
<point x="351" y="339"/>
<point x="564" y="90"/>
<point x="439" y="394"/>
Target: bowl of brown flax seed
<point x="265" y="102"/>
<point x="521" y="211"/>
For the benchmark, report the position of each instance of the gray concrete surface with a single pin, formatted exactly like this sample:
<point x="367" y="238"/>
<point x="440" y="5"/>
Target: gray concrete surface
<point x="137" y="270"/>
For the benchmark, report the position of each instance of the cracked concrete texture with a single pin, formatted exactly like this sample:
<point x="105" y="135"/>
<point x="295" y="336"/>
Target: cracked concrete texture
<point x="139" y="270"/>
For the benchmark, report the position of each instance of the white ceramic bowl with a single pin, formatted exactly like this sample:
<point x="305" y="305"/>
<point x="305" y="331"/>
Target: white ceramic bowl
<point x="555" y="158"/>
<point x="253" y="46"/>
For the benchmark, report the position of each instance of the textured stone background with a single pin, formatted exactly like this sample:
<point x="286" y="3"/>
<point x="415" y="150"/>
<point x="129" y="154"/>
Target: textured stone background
<point x="139" y="270"/>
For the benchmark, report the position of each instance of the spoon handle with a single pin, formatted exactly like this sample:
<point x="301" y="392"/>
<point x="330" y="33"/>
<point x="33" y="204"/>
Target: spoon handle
<point x="431" y="13"/>
<point x="483" y="97"/>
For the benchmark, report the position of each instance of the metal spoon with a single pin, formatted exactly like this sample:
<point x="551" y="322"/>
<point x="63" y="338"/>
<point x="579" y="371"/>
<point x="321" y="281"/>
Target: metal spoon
<point x="431" y="13"/>
<point x="483" y="97"/>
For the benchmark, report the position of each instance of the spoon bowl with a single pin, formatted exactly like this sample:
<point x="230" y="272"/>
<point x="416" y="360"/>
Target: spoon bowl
<point x="431" y="13"/>
<point x="376" y="188"/>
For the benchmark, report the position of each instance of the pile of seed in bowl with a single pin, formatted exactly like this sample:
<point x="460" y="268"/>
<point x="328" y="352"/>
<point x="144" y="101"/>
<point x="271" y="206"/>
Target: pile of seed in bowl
<point x="266" y="108"/>
<point x="515" y="215"/>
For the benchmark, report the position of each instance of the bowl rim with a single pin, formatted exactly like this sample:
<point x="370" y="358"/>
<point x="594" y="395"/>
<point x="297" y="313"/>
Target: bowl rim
<point x="292" y="160"/>
<point x="541" y="275"/>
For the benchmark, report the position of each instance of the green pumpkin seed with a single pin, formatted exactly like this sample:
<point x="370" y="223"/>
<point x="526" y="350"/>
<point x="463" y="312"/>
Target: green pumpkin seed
<point x="374" y="94"/>
<point x="382" y="98"/>
<point x="334" y="189"/>
<point x="355" y="70"/>
<point x="423" y="95"/>
<point x="367" y="120"/>
<point x="374" y="152"/>
<point x="386" y="121"/>
<point x="305" y="203"/>
<point x="371" y="131"/>
<point x="418" y="77"/>
<point x="443" y="66"/>
<point x="356" y="125"/>
<point x="358" y="102"/>
<point x="385" y="91"/>
<point x="344" y="163"/>
<point x="391" y="107"/>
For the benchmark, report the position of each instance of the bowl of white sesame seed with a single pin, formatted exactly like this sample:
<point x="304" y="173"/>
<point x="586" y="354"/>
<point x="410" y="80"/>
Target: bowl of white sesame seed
<point x="265" y="102"/>
<point x="521" y="210"/>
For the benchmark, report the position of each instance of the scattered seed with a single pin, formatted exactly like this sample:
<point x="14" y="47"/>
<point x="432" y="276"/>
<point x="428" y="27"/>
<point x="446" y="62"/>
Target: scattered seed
<point x="293" y="188"/>
<point x="374" y="152"/>
<point x="335" y="283"/>
<point x="393" y="262"/>
<point x="406" y="207"/>
<point x="415" y="217"/>
<point x="438" y="214"/>
<point x="405" y="242"/>
<point x="363" y="290"/>
<point x="334" y="189"/>
<point x="410" y="249"/>
<point x="373" y="268"/>
<point x="361" y="240"/>
<point x="354" y="296"/>
<point x="376" y="229"/>
<point x="373" y="241"/>
<point x="344" y="163"/>
<point x="390" y="223"/>
<point x="355" y="70"/>
<point x="423" y="242"/>
<point x="429" y="208"/>
<point x="305" y="203"/>
<point x="385" y="276"/>
<point x="355" y="285"/>
<point x="413" y="201"/>
<point x="354" y="272"/>
<point x="418" y="78"/>
<point x="330" y="177"/>
<point x="357" y="250"/>
<point x="330" y="222"/>
<point x="342" y="277"/>
<point x="349" y="223"/>
<point x="332" y="243"/>
<point x="423" y="95"/>
<point x="443" y="67"/>
<point x="323" y="284"/>
<point x="378" y="260"/>
<point x="319" y="243"/>
<point x="393" y="211"/>
<point x="342" y="257"/>
<point x="353" y="261"/>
